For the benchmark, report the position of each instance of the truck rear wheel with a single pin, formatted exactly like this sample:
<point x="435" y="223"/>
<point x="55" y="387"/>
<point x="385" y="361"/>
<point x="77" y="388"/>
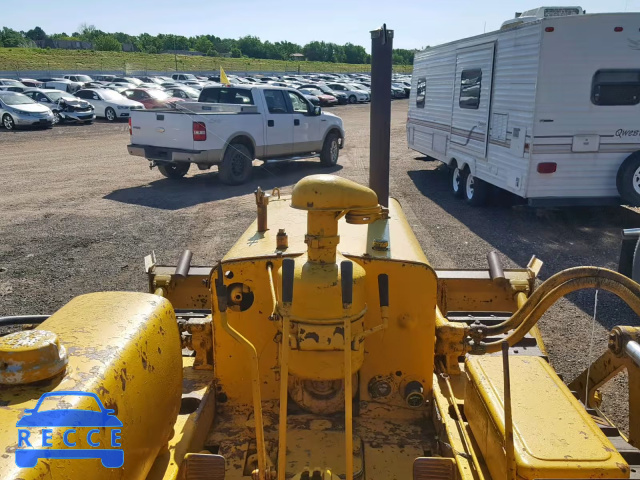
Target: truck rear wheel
<point x="476" y="191"/>
<point x="330" y="151"/>
<point x="174" y="170"/>
<point x="236" y="165"/>
<point x="628" y="180"/>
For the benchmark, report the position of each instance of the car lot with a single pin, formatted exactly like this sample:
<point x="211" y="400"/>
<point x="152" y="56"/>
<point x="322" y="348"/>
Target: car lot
<point x="79" y="214"/>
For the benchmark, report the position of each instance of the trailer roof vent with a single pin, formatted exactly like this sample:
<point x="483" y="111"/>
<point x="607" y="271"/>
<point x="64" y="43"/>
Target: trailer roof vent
<point x="539" y="13"/>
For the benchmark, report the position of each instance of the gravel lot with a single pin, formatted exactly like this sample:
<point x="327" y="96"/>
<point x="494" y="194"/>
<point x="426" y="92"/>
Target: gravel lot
<point x="79" y="214"/>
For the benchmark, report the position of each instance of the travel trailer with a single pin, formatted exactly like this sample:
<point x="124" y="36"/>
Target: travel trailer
<point x="547" y="108"/>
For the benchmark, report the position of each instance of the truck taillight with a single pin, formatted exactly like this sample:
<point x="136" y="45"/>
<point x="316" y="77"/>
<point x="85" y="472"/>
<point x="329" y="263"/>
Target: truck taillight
<point x="130" y="133"/>
<point x="199" y="132"/>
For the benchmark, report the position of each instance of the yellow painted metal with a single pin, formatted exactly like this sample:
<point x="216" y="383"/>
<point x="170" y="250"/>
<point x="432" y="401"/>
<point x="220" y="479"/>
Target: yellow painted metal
<point x="31" y="356"/>
<point x="554" y="436"/>
<point x="348" y="397"/>
<point x="284" y="387"/>
<point x="331" y="193"/>
<point x="191" y="426"/>
<point x="125" y="348"/>
<point x="255" y="391"/>
<point x="607" y="366"/>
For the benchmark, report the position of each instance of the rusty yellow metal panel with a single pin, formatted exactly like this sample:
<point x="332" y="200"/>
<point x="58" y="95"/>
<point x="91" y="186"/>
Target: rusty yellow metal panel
<point x="355" y="240"/>
<point x="125" y="348"/>
<point x="554" y="436"/>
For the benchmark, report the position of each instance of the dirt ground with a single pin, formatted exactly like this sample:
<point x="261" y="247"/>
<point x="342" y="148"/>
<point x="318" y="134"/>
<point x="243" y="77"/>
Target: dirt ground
<point x="78" y="214"/>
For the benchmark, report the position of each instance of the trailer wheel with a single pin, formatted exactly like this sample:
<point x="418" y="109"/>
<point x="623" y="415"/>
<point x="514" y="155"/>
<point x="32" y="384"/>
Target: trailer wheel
<point x="236" y="165"/>
<point x="457" y="181"/>
<point x="628" y="180"/>
<point x="174" y="170"/>
<point x="476" y="191"/>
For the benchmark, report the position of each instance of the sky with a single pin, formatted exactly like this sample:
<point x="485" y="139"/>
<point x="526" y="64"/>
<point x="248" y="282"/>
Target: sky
<point x="417" y="23"/>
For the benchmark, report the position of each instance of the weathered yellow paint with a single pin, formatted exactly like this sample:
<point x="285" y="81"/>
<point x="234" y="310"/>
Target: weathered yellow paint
<point x="554" y="436"/>
<point x="30" y="356"/>
<point x="125" y="348"/>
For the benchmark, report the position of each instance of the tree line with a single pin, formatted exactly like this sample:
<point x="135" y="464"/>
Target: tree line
<point x="248" y="46"/>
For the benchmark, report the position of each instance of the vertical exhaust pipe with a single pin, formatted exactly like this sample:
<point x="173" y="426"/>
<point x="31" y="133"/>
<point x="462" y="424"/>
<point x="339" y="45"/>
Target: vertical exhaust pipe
<point x="380" y="142"/>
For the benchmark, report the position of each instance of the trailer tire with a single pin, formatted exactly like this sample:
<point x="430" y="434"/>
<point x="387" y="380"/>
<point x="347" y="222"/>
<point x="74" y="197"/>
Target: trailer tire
<point x="628" y="179"/>
<point x="330" y="150"/>
<point x="457" y="180"/>
<point x="476" y="191"/>
<point x="236" y="165"/>
<point x="174" y="170"/>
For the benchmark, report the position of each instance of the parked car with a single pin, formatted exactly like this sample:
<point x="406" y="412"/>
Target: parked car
<point x="78" y="78"/>
<point x="104" y="78"/>
<point x="397" y="92"/>
<point x="16" y="110"/>
<point x="151" y="98"/>
<point x="315" y="101"/>
<point x="121" y="85"/>
<point x="197" y="84"/>
<point x="184" y="92"/>
<point x="156" y="80"/>
<point x="65" y="107"/>
<point x="116" y="88"/>
<point x="230" y="130"/>
<point x="9" y="82"/>
<point x="11" y="88"/>
<point x="130" y="80"/>
<point x="183" y="77"/>
<point x="342" y="97"/>
<point x="323" y="98"/>
<point x="61" y="84"/>
<point x="406" y="86"/>
<point x="109" y="104"/>
<point x="354" y="94"/>
<point x="30" y="82"/>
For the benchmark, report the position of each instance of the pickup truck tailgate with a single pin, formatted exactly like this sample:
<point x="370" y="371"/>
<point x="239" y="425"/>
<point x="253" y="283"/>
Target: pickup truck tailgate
<point x="162" y="129"/>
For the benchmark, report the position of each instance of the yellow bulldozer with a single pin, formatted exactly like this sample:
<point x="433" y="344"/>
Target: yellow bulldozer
<point x="323" y="346"/>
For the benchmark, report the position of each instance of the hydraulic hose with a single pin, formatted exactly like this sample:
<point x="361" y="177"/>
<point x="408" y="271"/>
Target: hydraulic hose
<point x="608" y="282"/>
<point x="560" y="278"/>
<point x="22" y="320"/>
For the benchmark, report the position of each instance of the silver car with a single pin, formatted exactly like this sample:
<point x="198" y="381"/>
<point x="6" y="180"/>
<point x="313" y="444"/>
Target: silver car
<point x="355" y="95"/>
<point x="65" y="107"/>
<point x="17" y="109"/>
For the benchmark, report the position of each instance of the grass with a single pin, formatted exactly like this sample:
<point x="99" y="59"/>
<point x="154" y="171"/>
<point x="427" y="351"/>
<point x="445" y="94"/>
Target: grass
<point x="25" y="59"/>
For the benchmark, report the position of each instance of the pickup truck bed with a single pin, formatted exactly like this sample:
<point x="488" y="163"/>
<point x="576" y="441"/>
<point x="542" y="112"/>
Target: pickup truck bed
<point x="270" y="123"/>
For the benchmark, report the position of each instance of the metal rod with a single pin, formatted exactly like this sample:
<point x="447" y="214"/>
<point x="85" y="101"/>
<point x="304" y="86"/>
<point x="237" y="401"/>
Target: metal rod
<point x="346" y="271"/>
<point x="288" y="273"/>
<point x="160" y="291"/>
<point x="221" y="293"/>
<point x="508" y="418"/>
<point x="380" y="141"/>
<point x="184" y="264"/>
<point x="633" y="350"/>
<point x="629" y="233"/>
<point x="22" y="320"/>
<point x="495" y="267"/>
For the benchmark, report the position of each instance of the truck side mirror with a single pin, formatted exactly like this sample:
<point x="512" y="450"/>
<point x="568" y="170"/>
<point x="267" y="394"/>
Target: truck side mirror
<point x="317" y="111"/>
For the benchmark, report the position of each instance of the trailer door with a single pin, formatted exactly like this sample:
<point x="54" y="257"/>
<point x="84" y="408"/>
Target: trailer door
<point x="472" y="98"/>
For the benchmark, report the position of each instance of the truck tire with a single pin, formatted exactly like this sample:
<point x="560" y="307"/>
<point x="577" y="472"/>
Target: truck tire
<point x="476" y="191"/>
<point x="457" y="181"/>
<point x="174" y="170"/>
<point x="628" y="179"/>
<point x="236" y="165"/>
<point x="330" y="150"/>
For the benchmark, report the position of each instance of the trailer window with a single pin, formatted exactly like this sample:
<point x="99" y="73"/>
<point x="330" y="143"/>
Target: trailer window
<point x="421" y="92"/>
<point x="470" y="84"/>
<point x="616" y="87"/>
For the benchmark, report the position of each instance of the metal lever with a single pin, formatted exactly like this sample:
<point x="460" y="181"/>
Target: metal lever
<point x="346" y="273"/>
<point x="495" y="267"/>
<point x="383" y="289"/>
<point x="184" y="264"/>
<point x="221" y="293"/>
<point x="288" y="267"/>
<point x="288" y="274"/>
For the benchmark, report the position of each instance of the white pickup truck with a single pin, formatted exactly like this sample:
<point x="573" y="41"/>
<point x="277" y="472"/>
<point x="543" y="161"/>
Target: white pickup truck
<point x="231" y="126"/>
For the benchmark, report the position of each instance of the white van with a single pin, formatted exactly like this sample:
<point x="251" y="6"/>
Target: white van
<point x="548" y="108"/>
